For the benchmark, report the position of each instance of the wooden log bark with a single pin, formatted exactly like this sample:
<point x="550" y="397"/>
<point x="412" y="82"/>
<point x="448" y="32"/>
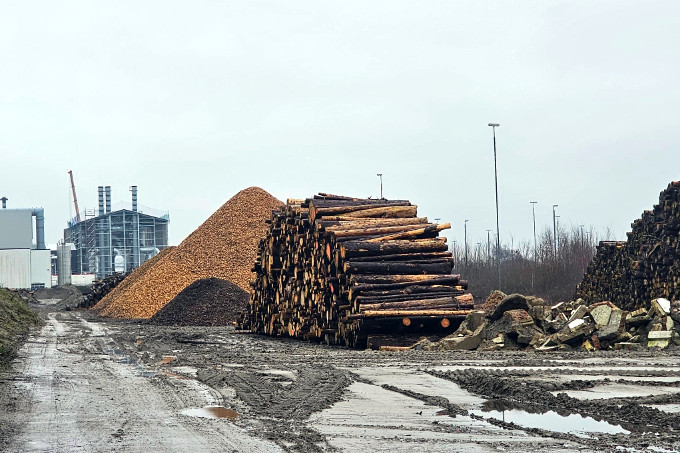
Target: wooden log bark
<point x="352" y="249"/>
<point x="412" y="233"/>
<point x="398" y="267"/>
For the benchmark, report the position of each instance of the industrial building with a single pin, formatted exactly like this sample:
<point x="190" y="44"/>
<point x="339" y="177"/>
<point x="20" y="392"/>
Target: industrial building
<point x="117" y="240"/>
<point x="23" y="264"/>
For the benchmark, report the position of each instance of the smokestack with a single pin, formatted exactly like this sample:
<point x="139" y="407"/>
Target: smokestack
<point x="4" y="202"/>
<point x="100" y="189"/>
<point x="108" y="198"/>
<point x="133" y="189"/>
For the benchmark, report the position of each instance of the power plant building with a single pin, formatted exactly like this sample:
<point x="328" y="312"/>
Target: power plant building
<point x="116" y="241"/>
<point x="23" y="264"/>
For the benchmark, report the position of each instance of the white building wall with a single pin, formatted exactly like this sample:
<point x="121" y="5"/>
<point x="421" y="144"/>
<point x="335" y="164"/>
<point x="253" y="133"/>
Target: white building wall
<point x="15" y="268"/>
<point x="41" y="270"/>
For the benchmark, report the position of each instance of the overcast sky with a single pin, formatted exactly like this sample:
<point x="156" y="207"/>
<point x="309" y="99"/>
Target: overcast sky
<point x="194" y="101"/>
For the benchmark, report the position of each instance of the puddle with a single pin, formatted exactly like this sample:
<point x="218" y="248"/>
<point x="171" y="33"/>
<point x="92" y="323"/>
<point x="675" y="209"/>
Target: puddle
<point x="552" y="421"/>
<point x="616" y="390"/>
<point x="671" y="408"/>
<point x="167" y="359"/>
<point x="211" y="412"/>
<point x="175" y="375"/>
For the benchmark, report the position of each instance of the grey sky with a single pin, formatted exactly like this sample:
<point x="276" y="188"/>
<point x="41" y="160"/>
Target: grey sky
<point x="194" y="101"/>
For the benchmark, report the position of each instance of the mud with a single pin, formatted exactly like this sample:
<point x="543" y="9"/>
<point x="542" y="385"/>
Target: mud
<point x="84" y="383"/>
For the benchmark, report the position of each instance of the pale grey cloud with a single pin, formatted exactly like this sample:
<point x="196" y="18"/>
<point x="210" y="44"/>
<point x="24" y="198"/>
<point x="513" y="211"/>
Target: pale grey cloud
<point x="193" y="101"/>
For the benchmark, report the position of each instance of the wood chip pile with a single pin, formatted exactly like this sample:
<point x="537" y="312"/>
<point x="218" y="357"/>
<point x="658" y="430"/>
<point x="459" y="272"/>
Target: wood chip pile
<point x="224" y="246"/>
<point x="206" y="302"/>
<point x="338" y="269"/>
<point x="646" y="266"/>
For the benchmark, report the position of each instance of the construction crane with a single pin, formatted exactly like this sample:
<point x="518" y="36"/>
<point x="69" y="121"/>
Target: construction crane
<point x="75" y="199"/>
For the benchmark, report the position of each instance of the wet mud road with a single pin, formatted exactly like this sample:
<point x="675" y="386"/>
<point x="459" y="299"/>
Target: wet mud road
<point x="87" y="384"/>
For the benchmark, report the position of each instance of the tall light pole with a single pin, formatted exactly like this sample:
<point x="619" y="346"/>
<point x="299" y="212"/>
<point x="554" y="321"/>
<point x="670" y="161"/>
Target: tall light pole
<point x="498" y="232"/>
<point x="380" y="175"/>
<point x="488" y="245"/>
<point x="554" y="232"/>
<point x="466" y="248"/>
<point x="582" y="237"/>
<point x="533" y="215"/>
<point x="557" y="238"/>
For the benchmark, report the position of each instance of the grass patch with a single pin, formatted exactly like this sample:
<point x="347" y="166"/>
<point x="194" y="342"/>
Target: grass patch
<point x="15" y="321"/>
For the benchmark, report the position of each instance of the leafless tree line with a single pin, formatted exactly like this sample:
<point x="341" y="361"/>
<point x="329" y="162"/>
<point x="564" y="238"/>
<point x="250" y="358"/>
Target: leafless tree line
<point x="550" y="270"/>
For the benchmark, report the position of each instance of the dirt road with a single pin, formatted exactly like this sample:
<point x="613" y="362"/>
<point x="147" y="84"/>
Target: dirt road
<point x="88" y="384"/>
<point x="81" y="392"/>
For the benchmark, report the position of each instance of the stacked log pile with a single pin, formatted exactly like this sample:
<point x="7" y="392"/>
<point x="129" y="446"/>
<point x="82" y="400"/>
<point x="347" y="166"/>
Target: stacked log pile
<point x="337" y="269"/>
<point x="646" y="266"/>
<point x="101" y="288"/>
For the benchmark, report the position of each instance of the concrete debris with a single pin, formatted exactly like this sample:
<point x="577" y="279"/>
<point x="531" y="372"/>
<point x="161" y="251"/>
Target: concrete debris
<point x="521" y="322"/>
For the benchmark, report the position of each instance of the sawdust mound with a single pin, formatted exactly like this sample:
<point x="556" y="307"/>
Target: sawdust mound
<point x="206" y="302"/>
<point x="224" y="246"/>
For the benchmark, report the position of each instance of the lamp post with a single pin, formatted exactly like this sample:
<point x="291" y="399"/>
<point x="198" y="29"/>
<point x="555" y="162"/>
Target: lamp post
<point x="557" y="237"/>
<point x="554" y="232"/>
<point x="533" y="215"/>
<point x="498" y="233"/>
<point x="488" y="245"/>
<point x="466" y="247"/>
<point x="380" y="175"/>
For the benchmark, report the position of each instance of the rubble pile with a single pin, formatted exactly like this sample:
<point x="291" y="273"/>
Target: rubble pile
<point x="644" y="267"/>
<point x="524" y="322"/>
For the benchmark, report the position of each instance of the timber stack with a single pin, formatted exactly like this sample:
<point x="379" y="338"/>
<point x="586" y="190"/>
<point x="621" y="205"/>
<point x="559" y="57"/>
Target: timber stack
<point x="337" y="269"/>
<point x="646" y="266"/>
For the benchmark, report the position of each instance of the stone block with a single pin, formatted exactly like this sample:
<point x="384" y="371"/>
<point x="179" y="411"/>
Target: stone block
<point x="511" y="302"/>
<point x="578" y="313"/>
<point x="659" y="335"/>
<point x="601" y="314"/>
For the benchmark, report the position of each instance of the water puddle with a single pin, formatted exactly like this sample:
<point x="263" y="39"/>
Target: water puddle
<point x="167" y="359"/>
<point x="211" y="412"/>
<point x="671" y="408"/>
<point x="574" y="424"/>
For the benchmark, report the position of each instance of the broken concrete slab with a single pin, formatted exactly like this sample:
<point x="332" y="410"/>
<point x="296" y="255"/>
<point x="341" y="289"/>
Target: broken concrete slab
<point x="511" y="302"/>
<point x="661" y="306"/>
<point x="578" y="313"/>
<point x="601" y="314"/>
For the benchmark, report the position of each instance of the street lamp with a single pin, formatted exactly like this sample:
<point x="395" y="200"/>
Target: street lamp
<point x="557" y="237"/>
<point x="498" y="233"/>
<point x="466" y="248"/>
<point x="488" y="245"/>
<point x="554" y="232"/>
<point x="380" y="175"/>
<point x="533" y="214"/>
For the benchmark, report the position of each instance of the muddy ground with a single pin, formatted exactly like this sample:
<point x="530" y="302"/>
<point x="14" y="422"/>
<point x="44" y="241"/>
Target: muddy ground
<point x="83" y="383"/>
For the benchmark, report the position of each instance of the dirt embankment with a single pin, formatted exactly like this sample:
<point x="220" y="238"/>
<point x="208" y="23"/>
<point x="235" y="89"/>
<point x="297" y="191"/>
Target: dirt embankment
<point x="15" y="321"/>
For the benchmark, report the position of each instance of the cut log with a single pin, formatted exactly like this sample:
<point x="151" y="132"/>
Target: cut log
<point x="397" y="267"/>
<point x="412" y="233"/>
<point x="375" y="231"/>
<point x="351" y="249"/>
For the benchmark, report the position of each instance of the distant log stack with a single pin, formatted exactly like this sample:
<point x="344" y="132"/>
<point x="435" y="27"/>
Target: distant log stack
<point x="646" y="266"/>
<point x="337" y="269"/>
